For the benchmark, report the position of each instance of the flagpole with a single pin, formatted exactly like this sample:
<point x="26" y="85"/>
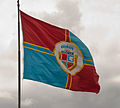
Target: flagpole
<point x="19" y="66"/>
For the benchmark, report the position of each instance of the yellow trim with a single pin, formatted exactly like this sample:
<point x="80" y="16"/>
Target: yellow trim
<point x="88" y="64"/>
<point x="69" y="37"/>
<point x="88" y="60"/>
<point x="67" y="80"/>
<point x="70" y="82"/>
<point x="60" y="55"/>
<point x="37" y="45"/>
<point x="65" y="35"/>
<point x="60" y="64"/>
<point x="39" y="51"/>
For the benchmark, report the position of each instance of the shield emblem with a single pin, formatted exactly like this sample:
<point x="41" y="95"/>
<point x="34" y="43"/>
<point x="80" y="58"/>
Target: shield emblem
<point x="69" y="57"/>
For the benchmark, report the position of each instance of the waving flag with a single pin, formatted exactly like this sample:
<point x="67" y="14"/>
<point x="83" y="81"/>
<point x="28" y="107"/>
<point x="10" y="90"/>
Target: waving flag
<point x="55" y="56"/>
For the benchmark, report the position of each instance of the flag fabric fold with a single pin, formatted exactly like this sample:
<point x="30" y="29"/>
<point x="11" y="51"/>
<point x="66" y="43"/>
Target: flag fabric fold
<point x="57" y="57"/>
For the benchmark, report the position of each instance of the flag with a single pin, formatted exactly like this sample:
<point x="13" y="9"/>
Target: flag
<point x="55" y="56"/>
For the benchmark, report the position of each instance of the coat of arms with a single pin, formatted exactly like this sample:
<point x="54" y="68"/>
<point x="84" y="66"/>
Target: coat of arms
<point x="69" y="57"/>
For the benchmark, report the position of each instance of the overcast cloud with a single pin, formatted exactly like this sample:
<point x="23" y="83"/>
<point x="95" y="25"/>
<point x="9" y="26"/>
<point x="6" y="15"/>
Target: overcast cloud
<point x="96" y="23"/>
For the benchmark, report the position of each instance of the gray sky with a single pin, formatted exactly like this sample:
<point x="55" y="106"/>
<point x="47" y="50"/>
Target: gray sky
<point x="95" y="22"/>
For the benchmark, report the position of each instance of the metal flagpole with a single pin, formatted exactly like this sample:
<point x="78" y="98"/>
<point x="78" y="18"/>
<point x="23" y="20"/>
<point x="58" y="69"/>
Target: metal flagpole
<point x="19" y="66"/>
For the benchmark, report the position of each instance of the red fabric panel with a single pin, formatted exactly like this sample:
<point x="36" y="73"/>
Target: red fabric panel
<point x="86" y="80"/>
<point x="41" y="33"/>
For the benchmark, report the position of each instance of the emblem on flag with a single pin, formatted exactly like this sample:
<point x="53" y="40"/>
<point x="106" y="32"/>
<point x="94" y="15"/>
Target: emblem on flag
<point x="69" y="57"/>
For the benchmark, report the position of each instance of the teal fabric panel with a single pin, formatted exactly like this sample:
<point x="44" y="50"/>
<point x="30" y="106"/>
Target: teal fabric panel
<point x="81" y="45"/>
<point x="43" y="68"/>
<point x="88" y="62"/>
